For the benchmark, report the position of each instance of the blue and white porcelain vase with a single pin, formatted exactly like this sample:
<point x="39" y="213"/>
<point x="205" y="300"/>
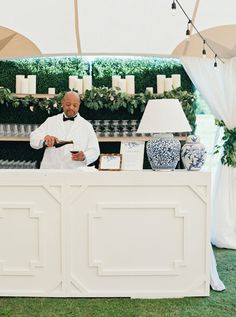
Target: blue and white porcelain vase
<point x="193" y="153"/>
<point x="163" y="152"/>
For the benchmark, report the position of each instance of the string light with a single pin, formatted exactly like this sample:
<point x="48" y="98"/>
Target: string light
<point x="188" y="31"/>
<point x="173" y="7"/>
<point x="204" y="49"/>
<point x="205" y="43"/>
<point x="215" y="63"/>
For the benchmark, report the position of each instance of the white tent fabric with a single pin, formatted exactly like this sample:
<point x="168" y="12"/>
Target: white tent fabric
<point x="124" y="27"/>
<point x="217" y="86"/>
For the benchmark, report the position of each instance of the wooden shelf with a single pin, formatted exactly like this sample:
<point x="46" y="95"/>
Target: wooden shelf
<point x="14" y="138"/>
<point x="39" y="96"/>
<point x="100" y="138"/>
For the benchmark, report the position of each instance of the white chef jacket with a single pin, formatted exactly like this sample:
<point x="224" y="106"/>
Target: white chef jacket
<point x="80" y="131"/>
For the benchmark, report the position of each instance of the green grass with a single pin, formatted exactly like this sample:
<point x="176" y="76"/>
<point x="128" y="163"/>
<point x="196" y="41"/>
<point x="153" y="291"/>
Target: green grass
<point x="219" y="304"/>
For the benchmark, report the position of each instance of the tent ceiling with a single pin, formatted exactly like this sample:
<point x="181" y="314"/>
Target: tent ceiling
<point x="124" y="27"/>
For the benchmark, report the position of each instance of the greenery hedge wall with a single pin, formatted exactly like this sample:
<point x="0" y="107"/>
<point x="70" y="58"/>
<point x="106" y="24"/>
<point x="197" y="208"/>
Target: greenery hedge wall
<point x="54" y="72"/>
<point x="51" y="72"/>
<point x="144" y="70"/>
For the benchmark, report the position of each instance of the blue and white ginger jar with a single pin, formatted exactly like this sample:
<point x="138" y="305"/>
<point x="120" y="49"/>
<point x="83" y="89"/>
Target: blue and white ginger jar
<point x="193" y="153"/>
<point x="163" y="152"/>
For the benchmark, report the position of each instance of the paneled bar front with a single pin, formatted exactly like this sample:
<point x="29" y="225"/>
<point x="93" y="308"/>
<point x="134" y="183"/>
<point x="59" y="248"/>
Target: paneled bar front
<point x="138" y="234"/>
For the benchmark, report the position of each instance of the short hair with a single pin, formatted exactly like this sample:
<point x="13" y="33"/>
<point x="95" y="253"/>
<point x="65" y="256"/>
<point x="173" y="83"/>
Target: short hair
<point x="71" y="93"/>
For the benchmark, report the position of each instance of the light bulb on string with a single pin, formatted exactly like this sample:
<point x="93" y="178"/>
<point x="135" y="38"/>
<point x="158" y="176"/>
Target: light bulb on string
<point x="173" y="8"/>
<point x="215" y="63"/>
<point x="204" y="49"/>
<point x="188" y="31"/>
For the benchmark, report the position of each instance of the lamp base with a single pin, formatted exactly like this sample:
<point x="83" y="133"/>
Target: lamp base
<point x="163" y="152"/>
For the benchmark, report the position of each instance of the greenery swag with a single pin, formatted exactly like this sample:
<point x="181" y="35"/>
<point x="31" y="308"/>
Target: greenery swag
<point x="229" y="146"/>
<point x="99" y="99"/>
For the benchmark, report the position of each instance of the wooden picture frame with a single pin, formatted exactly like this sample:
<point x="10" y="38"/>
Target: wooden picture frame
<point x="110" y="162"/>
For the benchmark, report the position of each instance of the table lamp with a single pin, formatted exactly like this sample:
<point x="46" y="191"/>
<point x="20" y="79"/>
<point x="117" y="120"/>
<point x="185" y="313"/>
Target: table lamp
<point x="162" y="117"/>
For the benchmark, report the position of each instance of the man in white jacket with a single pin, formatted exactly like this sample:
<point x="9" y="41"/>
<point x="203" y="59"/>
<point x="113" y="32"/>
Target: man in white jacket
<point x="67" y="126"/>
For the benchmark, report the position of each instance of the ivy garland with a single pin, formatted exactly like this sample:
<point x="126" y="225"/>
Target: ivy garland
<point x="229" y="146"/>
<point x="102" y="98"/>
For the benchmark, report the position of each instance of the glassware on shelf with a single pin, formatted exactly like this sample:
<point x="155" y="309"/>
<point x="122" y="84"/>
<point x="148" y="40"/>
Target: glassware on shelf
<point x="7" y="129"/>
<point x="115" y="124"/>
<point x="110" y="128"/>
<point x="100" y="128"/>
<point x="132" y="127"/>
<point x="21" y="129"/>
<point x="27" y="164"/>
<point x="1" y="129"/>
<point x="34" y="127"/>
<point x="22" y="164"/>
<point x="13" y="128"/>
<point x="106" y="125"/>
<point x="97" y="126"/>
<point x="33" y="164"/>
<point x="27" y="129"/>
<point x="124" y="127"/>
<point x="120" y="128"/>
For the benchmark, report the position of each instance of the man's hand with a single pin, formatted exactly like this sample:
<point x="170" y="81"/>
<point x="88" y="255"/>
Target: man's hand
<point x="79" y="156"/>
<point x="50" y="140"/>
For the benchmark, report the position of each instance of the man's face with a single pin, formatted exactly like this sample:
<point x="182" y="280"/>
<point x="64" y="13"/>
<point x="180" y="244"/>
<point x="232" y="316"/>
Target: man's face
<point x="71" y="104"/>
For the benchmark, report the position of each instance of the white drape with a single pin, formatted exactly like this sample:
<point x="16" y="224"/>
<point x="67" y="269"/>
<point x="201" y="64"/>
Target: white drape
<point x="218" y="88"/>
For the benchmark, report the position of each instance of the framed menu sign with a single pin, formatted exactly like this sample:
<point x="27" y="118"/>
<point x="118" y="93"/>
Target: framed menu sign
<point x="110" y="162"/>
<point x="132" y="155"/>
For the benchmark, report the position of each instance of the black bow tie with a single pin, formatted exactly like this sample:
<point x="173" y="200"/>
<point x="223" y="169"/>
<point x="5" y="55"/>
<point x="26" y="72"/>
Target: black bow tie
<point x="71" y="119"/>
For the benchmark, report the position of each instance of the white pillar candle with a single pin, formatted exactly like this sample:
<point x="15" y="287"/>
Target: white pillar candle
<point x="32" y="84"/>
<point x="150" y="89"/>
<point x="168" y="84"/>
<point x="19" y="83"/>
<point x="24" y="85"/>
<point x="72" y="81"/>
<point x="161" y="84"/>
<point x="176" y="80"/>
<point x="87" y="83"/>
<point x="122" y="85"/>
<point x="79" y="85"/>
<point x="130" y="85"/>
<point x="115" y="81"/>
<point x="51" y="91"/>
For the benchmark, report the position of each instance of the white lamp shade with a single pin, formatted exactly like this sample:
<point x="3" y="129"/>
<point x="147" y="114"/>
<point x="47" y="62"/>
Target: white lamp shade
<point x="163" y="116"/>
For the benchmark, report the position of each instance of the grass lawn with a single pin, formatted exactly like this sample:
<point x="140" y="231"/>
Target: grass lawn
<point x="219" y="304"/>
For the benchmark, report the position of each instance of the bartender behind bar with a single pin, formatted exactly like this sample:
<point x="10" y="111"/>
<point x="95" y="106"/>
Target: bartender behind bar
<point x="67" y="126"/>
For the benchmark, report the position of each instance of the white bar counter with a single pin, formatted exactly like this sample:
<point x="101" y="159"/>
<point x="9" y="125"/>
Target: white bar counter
<point x="139" y="234"/>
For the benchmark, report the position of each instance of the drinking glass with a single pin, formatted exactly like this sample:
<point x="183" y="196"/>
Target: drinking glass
<point x="1" y="129"/>
<point x="27" y="164"/>
<point x="97" y="126"/>
<point x="27" y="129"/>
<point x="7" y="129"/>
<point x="13" y="128"/>
<point x="20" y="129"/>
<point x="125" y="127"/>
<point x="134" y="126"/>
<point x="115" y="125"/>
<point x="106" y="124"/>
